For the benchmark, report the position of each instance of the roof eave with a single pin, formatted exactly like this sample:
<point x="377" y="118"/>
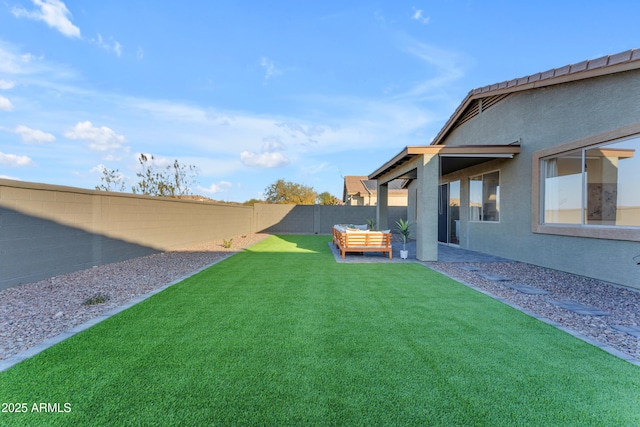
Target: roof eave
<point x="581" y="71"/>
<point x="390" y="164"/>
<point x="409" y="152"/>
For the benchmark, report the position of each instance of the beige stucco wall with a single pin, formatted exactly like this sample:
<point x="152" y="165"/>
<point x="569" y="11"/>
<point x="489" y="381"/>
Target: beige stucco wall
<point x="540" y="119"/>
<point x="47" y="230"/>
<point x="371" y="200"/>
<point x="316" y="219"/>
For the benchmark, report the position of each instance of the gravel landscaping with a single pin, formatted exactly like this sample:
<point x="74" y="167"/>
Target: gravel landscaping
<point x="622" y="305"/>
<point x="34" y="312"/>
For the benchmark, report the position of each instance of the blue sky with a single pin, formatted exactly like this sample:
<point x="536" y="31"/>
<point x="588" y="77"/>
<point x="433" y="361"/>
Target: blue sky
<point x="253" y="91"/>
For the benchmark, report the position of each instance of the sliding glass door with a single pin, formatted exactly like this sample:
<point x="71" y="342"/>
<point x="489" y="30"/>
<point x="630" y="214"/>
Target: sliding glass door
<point x="449" y="213"/>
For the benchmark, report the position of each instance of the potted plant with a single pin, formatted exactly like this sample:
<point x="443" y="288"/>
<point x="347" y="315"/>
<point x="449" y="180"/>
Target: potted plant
<point x="371" y="223"/>
<point x="404" y="229"/>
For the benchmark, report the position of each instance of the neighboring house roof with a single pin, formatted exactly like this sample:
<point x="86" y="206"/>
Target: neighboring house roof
<point x="362" y="185"/>
<point x="485" y="97"/>
<point x="356" y="185"/>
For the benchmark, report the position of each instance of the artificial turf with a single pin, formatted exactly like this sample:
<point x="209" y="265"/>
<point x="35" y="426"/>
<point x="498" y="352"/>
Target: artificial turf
<point x="280" y="334"/>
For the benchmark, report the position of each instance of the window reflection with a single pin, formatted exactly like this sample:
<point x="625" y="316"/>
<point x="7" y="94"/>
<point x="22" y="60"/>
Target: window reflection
<point x="562" y="189"/>
<point x="484" y="197"/>
<point x="604" y="192"/>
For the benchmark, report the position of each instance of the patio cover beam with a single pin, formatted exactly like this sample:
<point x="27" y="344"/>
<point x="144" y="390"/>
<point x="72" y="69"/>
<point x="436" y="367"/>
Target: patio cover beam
<point x="486" y="152"/>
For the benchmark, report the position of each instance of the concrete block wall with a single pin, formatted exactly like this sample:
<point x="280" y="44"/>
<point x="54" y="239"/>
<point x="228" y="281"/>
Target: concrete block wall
<point x="316" y="219"/>
<point x="284" y="218"/>
<point x="48" y="230"/>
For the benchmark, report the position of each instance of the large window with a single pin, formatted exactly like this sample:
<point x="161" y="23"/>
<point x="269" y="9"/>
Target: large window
<point x="597" y="185"/>
<point x="484" y="197"/>
<point x="562" y="189"/>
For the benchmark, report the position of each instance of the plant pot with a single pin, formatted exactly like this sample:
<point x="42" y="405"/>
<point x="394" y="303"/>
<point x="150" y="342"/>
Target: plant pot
<point x="404" y="254"/>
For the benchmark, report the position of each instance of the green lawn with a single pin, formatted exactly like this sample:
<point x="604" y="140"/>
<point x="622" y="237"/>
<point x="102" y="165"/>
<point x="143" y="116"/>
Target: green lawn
<point x="280" y="334"/>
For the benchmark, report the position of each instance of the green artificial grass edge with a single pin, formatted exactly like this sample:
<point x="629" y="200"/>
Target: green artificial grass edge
<point x="281" y="334"/>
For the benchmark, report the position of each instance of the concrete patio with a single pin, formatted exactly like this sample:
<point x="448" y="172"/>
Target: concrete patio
<point x="446" y="253"/>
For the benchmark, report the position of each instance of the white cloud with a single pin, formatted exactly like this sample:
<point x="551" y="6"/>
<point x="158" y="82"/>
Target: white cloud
<point x="309" y="131"/>
<point x="5" y="104"/>
<point x="53" y="12"/>
<point x="418" y="16"/>
<point x="140" y="53"/>
<point x="271" y="143"/>
<point x="14" y="160"/>
<point x="5" y="84"/>
<point x="220" y="187"/>
<point x="264" y="160"/>
<point x="101" y="168"/>
<point x="13" y="62"/>
<point x="113" y="157"/>
<point x="110" y="45"/>
<point x="314" y="169"/>
<point x="100" y="139"/>
<point x="29" y="135"/>
<point x="154" y="161"/>
<point x="171" y="111"/>
<point x="10" y="62"/>
<point x="270" y="68"/>
<point x="357" y="123"/>
<point x="97" y="169"/>
<point x="448" y="68"/>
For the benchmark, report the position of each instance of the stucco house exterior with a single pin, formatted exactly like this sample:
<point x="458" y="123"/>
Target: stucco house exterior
<point x="362" y="191"/>
<point x="543" y="169"/>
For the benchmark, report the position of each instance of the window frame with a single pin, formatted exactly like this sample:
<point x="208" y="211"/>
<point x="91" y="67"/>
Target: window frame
<point x="596" y="231"/>
<point x="482" y="215"/>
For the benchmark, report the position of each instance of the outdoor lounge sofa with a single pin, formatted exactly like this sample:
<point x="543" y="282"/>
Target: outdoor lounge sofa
<point x="359" y="239"/>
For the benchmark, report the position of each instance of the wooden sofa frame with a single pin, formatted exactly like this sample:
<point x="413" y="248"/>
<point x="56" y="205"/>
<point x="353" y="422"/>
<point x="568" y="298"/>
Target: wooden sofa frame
<point x="362" y="241"/>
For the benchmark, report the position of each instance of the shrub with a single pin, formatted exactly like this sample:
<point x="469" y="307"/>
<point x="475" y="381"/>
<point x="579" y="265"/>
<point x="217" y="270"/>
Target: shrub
<point x="98" y="298"/>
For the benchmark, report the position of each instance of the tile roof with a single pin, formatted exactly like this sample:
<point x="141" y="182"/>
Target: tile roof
<point x="354" y="185"/>
<point x="363" y="185"/>
<point x="572" y="69"/>
<point x="624" y="61"/>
